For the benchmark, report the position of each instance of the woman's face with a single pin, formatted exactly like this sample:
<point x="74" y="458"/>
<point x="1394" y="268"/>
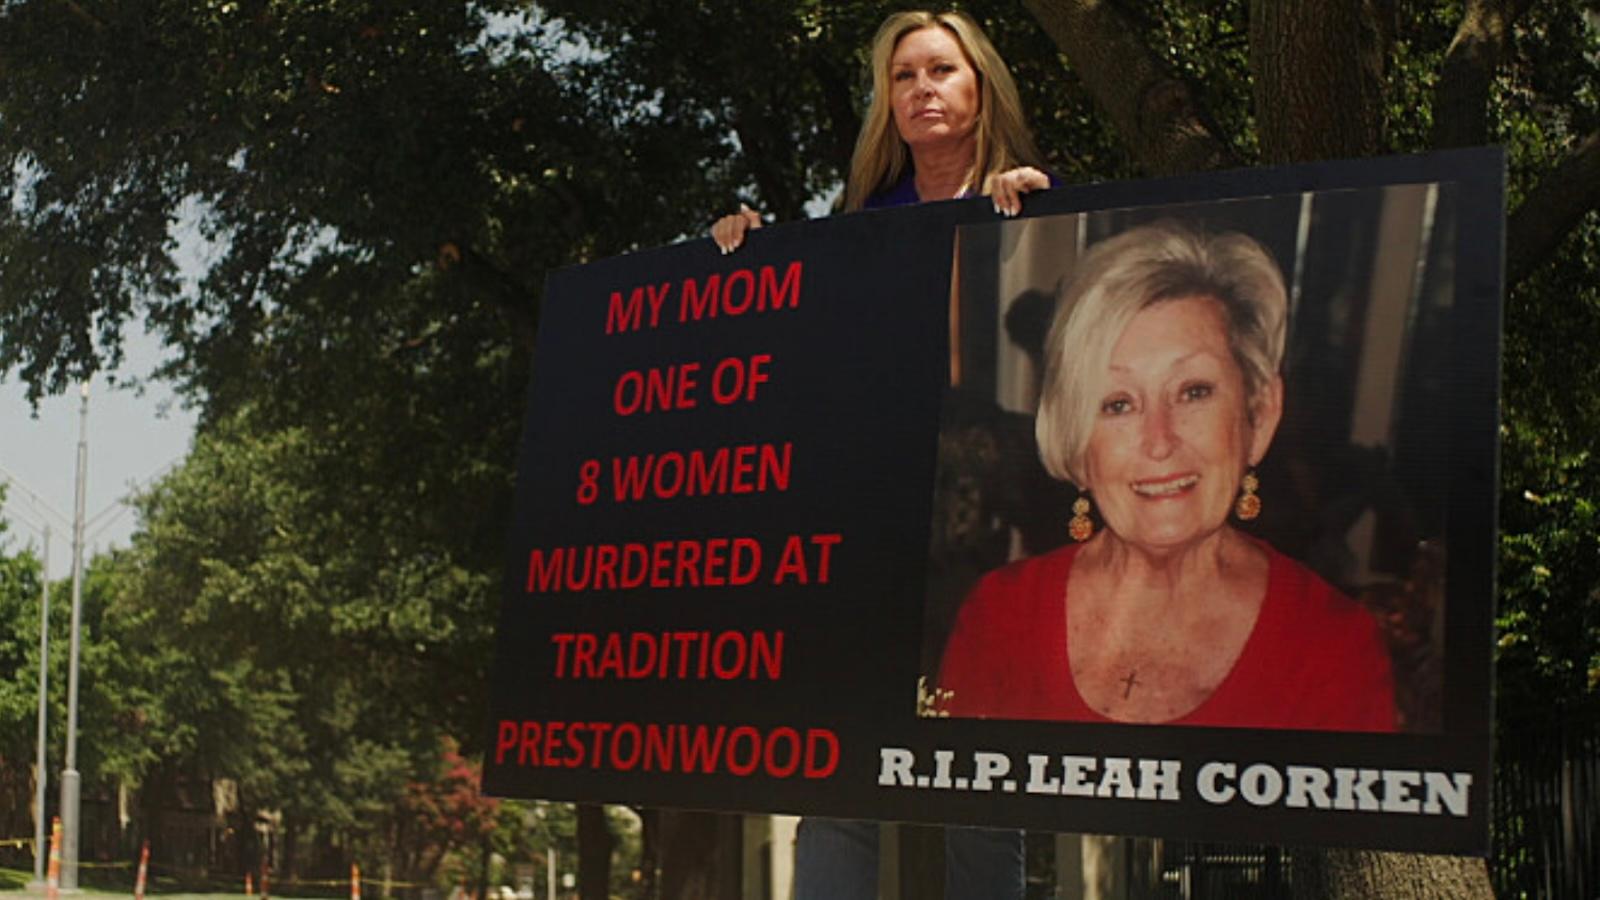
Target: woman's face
<point x="1172" y="436"/>
<point x="933" y="89"/>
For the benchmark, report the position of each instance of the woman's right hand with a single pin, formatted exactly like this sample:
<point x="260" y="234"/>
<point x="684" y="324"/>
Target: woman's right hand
<point x="729" y="231"/>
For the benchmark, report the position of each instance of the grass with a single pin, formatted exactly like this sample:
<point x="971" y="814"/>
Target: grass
<point x="15" y="882"/>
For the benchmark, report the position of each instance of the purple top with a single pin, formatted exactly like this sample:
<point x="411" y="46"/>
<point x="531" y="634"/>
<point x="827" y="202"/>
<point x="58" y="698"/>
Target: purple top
<point x="904" y="192"/>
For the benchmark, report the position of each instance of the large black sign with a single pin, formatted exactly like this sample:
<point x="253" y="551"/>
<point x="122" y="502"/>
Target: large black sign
<point x="784" y="542"/>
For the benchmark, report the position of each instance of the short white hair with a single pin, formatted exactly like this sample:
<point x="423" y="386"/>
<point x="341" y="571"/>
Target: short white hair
<point x="1136" y="269"/>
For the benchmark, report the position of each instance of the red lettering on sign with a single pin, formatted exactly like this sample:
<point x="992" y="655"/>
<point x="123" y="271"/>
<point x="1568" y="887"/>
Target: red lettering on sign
<point x="655" y="389"/>
<point x="742" y="291"/>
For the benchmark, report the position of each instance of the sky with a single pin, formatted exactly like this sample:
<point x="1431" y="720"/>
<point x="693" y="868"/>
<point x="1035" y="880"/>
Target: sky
<point x="131" y="439"/>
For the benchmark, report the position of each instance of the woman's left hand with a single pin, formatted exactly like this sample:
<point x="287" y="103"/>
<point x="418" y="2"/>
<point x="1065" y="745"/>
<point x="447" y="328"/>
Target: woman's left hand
<point x="1006" y="188"/>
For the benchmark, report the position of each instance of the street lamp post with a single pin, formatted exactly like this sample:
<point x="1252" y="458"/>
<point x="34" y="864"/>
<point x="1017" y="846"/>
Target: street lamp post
<point x="43" y="513"/>
<point x="69" y="774"/>
<point x="41" y="764"/>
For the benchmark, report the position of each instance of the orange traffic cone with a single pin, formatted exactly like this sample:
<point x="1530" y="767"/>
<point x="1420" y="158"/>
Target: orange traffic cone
<point x="144" y="869"/>
<point x="53" y="880"/>
<point x="355" y="882"/>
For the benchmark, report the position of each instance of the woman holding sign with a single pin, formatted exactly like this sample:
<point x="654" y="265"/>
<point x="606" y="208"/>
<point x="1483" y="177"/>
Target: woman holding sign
<point x="945" y="121"/>
<point x="1161" y="395"/>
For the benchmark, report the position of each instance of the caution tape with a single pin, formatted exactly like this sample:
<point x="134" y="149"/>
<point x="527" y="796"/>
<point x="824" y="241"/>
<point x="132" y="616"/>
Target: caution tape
<point x="104" y="865"/>
<point x="201" y="874"/>
<point x="338" y="882"/>
<point x="278" y="881"/>
<point x="28" y="842"/>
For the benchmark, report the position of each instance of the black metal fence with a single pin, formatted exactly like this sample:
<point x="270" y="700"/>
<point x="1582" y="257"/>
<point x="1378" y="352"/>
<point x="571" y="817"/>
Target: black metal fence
<point x="1546" y="817"/>
<point x="1545" y="830"/>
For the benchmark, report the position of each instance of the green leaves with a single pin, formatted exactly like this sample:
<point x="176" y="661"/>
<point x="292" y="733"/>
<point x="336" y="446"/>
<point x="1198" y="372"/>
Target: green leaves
<point x="1549" y="572"/>
<point x="19" y="650"/>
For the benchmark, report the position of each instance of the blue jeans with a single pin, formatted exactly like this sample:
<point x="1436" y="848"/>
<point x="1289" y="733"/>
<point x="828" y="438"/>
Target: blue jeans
<point x="835" y="859"/>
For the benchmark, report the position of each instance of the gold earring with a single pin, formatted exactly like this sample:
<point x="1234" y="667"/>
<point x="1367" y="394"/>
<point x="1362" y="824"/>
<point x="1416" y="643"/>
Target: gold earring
<point x="1248" y="506"/>
<point x="1081" y="527"/>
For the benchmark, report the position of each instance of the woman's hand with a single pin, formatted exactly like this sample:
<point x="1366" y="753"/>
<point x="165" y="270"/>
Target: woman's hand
<point x="1006" y="188"/>
<point x="729" y="231"/>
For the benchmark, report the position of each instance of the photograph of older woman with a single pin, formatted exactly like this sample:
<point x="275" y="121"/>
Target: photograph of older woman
<point x="1161" y="393"/>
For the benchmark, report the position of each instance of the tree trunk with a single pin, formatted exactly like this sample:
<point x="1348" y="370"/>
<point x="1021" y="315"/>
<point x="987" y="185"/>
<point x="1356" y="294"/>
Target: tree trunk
<point x="843" y="123"/>
<point x="289" y="858"/>
<point x="595" y="845"/>
<point x="921" y="861"/>
<point x="388" y="860"/>
<point x="1318" y="77"/>
<point x="699" y="855"/>
<point x="485" y="852"/>
<point x="649" y="850"/>
<point x="1368" y="875"/>
<point x="152" y="800"/>
<point x="1461" y="102"/>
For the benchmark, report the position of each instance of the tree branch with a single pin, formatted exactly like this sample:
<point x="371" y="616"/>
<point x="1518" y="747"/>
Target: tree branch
<point x="842" y="123"/>
<point x="1552" y="209"/>
<point x="84" y="15"/>
<point x="1150" y="107"/>
<point x="508" y="293"/>
<point x="1461" y="102"/>
<point x="767" y="155"/>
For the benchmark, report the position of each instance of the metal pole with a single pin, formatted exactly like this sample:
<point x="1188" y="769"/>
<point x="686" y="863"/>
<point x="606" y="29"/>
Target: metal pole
<point x="41" y="766"/>
<point x="550" y="882"/>
<point x="69" y="775"/>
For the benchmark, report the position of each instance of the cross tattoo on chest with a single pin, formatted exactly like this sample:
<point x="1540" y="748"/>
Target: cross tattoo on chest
<point x="1129" y="683"/>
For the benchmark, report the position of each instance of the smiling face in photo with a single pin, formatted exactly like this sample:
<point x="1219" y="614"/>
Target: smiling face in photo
<point x="1173" y="434"/>
<point x="934" y="88"/>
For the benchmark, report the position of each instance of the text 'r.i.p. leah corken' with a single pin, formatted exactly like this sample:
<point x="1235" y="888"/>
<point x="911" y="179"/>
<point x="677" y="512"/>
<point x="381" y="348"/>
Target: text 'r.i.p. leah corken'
<point x="1215" y="782"/>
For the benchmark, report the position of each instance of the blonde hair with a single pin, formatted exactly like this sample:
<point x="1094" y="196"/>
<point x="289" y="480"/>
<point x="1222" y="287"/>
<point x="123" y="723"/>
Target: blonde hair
<point x="1137" y="269"/>
<point x="1003" y="140"/>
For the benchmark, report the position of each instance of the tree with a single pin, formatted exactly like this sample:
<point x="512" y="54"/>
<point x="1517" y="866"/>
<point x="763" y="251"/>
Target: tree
<point x="110" y="740"/>
<point x="20" y="579"/>
<point x="334" y="153"/>
<point x="315" y="648"/>
<point x="451" y="811"/>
